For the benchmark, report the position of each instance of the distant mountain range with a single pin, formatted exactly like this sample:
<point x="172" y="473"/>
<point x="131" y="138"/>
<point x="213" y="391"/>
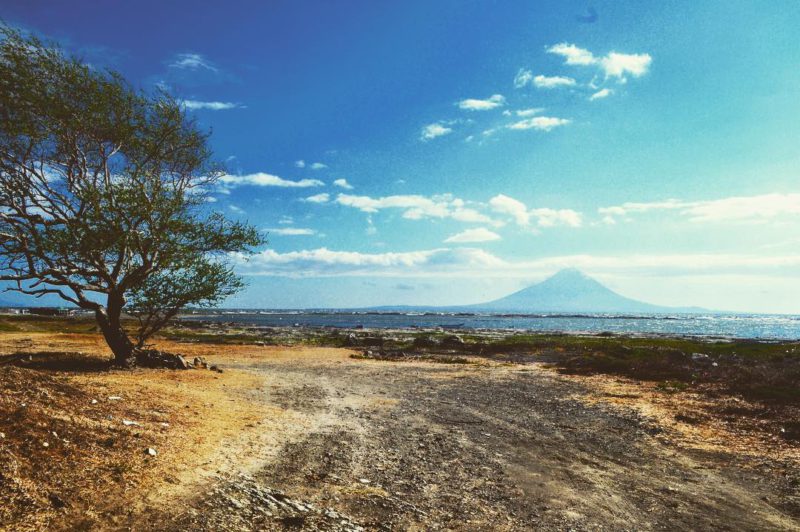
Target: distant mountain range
<point x="567" y="291"/>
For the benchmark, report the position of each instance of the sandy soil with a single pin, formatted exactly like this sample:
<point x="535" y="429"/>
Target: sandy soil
<point x="309" y="438"/>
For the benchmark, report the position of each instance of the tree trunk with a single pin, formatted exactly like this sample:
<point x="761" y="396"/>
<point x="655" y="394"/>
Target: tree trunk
<point x="116" y="338"/>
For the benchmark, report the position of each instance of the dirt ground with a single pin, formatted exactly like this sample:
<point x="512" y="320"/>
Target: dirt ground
<point x="309" y="438"/>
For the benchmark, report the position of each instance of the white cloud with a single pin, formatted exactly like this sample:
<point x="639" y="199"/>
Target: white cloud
<point x="212" y="106"/>
<point x="602" y="93"/>
<point x="262" y="179"/>
<point x="300" y="163"/>
<point x="743" y="209"/>
<point x="542" y="123"/>
<point x="318" y="166"/>
<point x="529" y="112"/>
<point x="472" y="104"/>
<point x="291" y="231"/>
<point x="237" y="210"/>
<point x="192" y="62"/>
<point x="417" y="207"/>
<point x="431" y="131"/>
<point x="573" y="54"/>
<point x="480" y="234"/>
<point x="286" y="220"/>
<point x="614" y="64"/>
<point x="507" y="205"/>
<point x="318" y="198"/>
<point x="617" y="65"/>
<point x="325" y="262"/>
<point x="543" y="217"/>
<point x="553" y="82"/>
<point x="343" y="184"/>
<point x="553" y="217"/>
<point x="522" y="78"/>
<point x="474" y="262"/>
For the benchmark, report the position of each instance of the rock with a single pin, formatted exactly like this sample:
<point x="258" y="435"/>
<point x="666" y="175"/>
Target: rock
<point x="114" y="398"/>
<point x="699" y="357"/>
<point x="2" y="435"/>
<point x="216" y="368"/>
<point x="45" y="444"/>
<point x="364" y="480"/>
<point x="153" y="358"/>
<point x="129" y="423"/>
<point x="150" y="451"/>
<point x="200" y="362"/>
<point x="94" y="401"/>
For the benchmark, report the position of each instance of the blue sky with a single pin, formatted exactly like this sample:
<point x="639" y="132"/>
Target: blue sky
<point x="453" y="151"/>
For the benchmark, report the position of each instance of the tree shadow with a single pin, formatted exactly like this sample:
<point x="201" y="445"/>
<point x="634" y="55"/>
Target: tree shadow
<point x="73" y="362"/>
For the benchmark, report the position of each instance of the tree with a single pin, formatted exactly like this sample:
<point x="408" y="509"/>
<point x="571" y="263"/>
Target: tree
<point x="103" y="196"/>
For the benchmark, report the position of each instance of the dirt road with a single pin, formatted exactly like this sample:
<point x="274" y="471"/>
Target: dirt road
<point x="425" y="446"/>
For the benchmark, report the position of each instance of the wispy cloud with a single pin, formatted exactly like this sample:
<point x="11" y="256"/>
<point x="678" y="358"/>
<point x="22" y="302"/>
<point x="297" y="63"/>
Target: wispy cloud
<point x="191" y="61"/>
<point x="524" y="113"/>
<point x="318" y="166"/>
<point x="212" y="106"/>
<point x="540" y="217"/>
<point x="300" y="163"/>
<point x="602" y="93"/>
<point x="342" y="183"/>
<point x="480" y="234"/>
<point x="523" y="78"/>
<point x="492" y="102"/>
<point x="542" y="123"/>
<point x="291" y="231"/>
<point x="474" y="262"/>
<point x="417" y="207"/>
<point x="261" y="179"/>
<point x="432" y="131"/>
<point x="552" y="82"/>
<point x="318" y="198"/>
<point x="326" y="262"/>
<point x="744" y="209"/>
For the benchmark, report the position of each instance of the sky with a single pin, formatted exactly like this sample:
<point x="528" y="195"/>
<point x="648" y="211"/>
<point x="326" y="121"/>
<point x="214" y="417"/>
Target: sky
<point x="452" y="152"/>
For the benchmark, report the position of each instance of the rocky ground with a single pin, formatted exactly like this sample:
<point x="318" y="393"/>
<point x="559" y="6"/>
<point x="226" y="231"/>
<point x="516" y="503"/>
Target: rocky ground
<point x="309" y="438"/>
<point x="399" y="446"/>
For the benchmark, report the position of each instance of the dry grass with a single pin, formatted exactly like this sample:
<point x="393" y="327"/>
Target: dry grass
<point x="67" y="460"/>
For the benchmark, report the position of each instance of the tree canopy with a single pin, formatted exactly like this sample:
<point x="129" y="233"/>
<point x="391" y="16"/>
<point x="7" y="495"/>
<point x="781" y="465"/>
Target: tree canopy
<point x="103" y="195"/>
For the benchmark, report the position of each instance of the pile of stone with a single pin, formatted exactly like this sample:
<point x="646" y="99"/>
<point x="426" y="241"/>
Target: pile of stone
<point x="153" y="358"/>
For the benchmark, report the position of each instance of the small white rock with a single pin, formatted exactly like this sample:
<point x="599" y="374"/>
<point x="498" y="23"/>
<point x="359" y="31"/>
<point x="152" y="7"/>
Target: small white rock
<point x="2" y="435"/>
<point x="114" y="398"/>
<point x="129" y="423"/>
<point x="151" y="452"/>
<point x="94" y="401"/>
<point x="45" y="444"/>
<point x="364" y="480"/>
